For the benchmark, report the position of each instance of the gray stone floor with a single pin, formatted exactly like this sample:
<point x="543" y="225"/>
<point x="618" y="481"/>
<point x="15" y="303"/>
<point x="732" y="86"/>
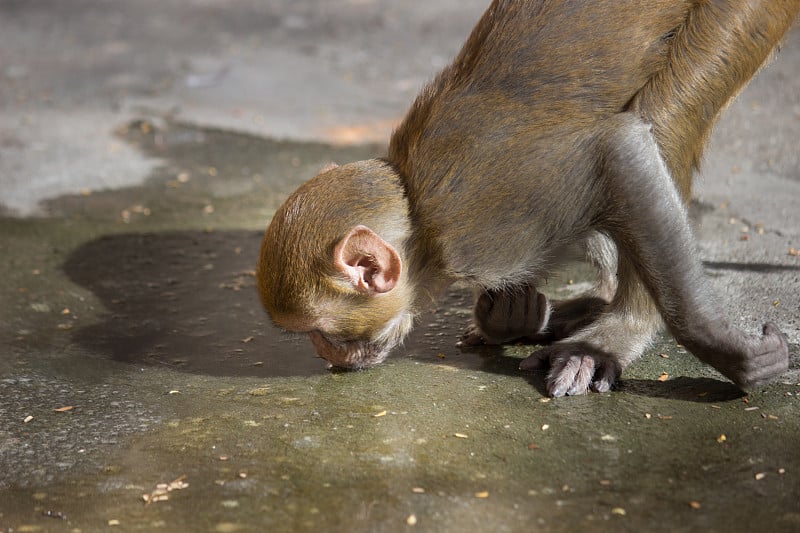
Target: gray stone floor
<point x="143" y="148"/>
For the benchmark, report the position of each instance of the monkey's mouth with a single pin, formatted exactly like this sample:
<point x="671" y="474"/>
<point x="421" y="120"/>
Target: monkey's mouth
<point x="353" y="355"/>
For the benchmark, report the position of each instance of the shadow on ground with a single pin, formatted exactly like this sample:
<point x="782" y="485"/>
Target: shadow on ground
<point x="690" y="389"/>
<point x="186" y="300"/>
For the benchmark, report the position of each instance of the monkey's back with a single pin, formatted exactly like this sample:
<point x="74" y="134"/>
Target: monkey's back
<point x="557" y="57"/>
<point x="542" y="63"/>
<point x="536" y="82"/>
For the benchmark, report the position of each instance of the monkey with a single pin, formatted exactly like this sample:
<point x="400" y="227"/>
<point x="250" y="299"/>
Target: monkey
<point x="559" y="124"/>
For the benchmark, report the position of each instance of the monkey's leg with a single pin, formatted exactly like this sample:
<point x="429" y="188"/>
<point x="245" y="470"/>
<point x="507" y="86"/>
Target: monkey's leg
<point x="593" y="357"/>
<point x="569" y="316"/>
<point x="601" y="253"/>
<point x="648" y="222"/>
<point x="505" y="315"/>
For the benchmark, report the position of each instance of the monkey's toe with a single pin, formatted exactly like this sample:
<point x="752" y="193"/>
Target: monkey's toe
<point x="574" y="369"/>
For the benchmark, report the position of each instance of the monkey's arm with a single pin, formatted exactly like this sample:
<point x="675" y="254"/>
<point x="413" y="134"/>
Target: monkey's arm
<point x="649" y="224"/>
<point x="658" y="238"/>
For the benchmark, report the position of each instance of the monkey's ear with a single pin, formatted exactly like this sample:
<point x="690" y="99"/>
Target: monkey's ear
<point x="371" y="264"/>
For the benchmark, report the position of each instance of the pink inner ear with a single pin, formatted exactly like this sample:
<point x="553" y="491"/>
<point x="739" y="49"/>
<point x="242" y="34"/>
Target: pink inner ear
<point x="371" y="264"/>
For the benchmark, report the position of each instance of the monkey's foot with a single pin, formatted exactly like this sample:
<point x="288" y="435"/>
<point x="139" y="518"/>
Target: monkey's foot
<point x="575" y="368"/>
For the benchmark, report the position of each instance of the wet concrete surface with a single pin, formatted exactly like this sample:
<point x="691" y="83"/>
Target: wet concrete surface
<point x="134" y="351"/>
<point x="137" y="308"/>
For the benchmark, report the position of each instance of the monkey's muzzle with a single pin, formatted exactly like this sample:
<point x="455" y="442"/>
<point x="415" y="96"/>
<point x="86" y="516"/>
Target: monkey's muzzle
<point x="354" y="355"/>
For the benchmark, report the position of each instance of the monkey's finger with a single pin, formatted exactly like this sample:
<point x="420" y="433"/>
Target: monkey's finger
<point x="774" y="341"/>
<point x="484" y="304"/>
<point x="516" y="313"/>
<point x="582" y="376"/>
<point x="762" y="377"/>
<point x="605" y="377"/>
<point x="559" y="378"/>
<point x="767" y="365"/>
<point x="562" y="383"/>
<point x="472" y="336"/>
<point x="491" y="314"/>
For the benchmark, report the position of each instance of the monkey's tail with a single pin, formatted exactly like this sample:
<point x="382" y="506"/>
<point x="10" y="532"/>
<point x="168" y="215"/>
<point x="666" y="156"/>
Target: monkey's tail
<point x="713" y="53"/>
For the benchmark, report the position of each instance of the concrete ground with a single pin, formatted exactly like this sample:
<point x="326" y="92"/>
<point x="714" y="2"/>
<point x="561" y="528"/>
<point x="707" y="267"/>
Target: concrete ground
<point x="143" y="148"/>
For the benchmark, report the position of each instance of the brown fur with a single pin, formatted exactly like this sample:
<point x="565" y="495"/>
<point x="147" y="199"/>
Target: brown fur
<point x="560" y="122"/>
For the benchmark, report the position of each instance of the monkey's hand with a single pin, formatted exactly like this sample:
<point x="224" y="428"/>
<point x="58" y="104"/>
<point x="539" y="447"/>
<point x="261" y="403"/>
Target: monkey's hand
<point x="759" y="359"/>
<point x="575" y="368"/>
<point x="502" y="316"/>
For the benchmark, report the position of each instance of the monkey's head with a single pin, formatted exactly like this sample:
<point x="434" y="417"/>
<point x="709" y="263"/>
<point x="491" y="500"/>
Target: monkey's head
<point x="332" y="264"/>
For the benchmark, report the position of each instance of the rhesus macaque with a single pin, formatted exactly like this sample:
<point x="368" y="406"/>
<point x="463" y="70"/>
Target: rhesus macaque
<point x="560" y="123"/>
